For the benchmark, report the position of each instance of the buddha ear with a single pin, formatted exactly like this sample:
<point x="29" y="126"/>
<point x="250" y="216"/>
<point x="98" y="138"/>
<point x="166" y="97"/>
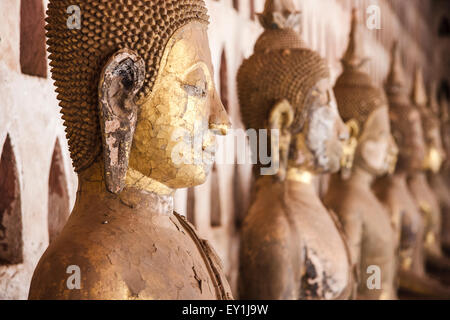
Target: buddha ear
<point x="280" y="120"/>
<point x="281" y="116"/>
<point x="120" y="81"/>
<point x="349" y="148"/>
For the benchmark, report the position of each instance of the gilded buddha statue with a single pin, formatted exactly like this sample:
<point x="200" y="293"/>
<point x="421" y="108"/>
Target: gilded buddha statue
<point x="445" y="171"/>
<point x="291" y="246"/>
<point x="393" y="190"/>
<point x="436" y="173"/>
<point x="366" y="222"/>
<point x="418" y="184"/>
<point x="135" y="84"/>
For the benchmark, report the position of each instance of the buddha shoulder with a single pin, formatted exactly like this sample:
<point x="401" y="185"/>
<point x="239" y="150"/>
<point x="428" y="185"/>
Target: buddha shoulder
<point x="163" y="260"/>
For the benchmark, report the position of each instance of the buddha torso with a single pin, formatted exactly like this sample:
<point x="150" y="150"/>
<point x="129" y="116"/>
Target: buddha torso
<point x="370" y="234"/>
<point x="126" y="249"/>
<point x="442" y="192"/>
<point x="303" y="246"/>
<point x="430" y="210"/>
<point x="405" y="214"/>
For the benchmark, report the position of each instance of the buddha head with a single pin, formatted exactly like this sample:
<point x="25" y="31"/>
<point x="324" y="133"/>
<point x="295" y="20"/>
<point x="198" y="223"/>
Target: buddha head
<point x="406" y="122"/>
<point x="363" y="106"/>
<point x="285" y="87"/>
<point x="135" y="83"/>
<point x="427" y="106"/>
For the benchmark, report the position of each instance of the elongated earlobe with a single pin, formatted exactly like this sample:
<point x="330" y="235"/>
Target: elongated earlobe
<point x="280" y="119"/>
<point x="121" y="80"/>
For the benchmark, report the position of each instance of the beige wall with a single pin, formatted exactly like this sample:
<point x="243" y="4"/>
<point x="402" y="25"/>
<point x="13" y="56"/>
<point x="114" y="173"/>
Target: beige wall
<point x="30" y="115"/>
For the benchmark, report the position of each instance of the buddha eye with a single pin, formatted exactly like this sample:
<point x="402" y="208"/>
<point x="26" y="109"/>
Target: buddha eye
<point x="196" y="90"/>
<point x="196" y="83"/>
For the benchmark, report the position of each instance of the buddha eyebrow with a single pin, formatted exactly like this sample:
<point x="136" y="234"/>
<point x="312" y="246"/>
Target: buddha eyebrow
<point x="199" y="65"/>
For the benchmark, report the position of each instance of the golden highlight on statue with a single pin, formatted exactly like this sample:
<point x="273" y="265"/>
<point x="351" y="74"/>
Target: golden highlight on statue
<point x="367" y="224"/>
<point x="135" y="84"/>
<point x="291" y="246"/>
<point x="394" y="193"/>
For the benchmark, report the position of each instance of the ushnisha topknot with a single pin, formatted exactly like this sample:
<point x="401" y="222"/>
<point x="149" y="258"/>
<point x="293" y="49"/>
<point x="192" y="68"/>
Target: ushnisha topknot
<point x="78" y="55"/>
<point x="404" y="117"/>
<point x="400" y="106"/>
<point x="357" y="97"/>
<point x="281" y="67"/>
<point x="395" y="86"/>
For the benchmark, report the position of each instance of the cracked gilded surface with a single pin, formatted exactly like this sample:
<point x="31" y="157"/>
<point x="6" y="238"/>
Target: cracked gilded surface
<point x="77" y="56"/>
<point x="175" y="119"/>
<point x="128" y="246"/>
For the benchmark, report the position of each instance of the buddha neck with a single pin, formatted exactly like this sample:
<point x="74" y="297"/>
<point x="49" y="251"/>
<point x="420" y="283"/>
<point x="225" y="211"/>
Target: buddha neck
<point x="92" y="187"/>
<point x="361" y="178"/>
<point x="398" y="178"/>
<point x="419" y="177"/>
<point x="295" y="179"/>
<point x="299" y="179"/>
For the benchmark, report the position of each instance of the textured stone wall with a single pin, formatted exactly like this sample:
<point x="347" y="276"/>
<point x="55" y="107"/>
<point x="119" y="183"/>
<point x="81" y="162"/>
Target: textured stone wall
<point x="29" y="113"/>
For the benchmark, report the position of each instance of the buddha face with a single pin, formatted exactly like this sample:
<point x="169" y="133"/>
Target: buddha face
<point x="174" y="141"/>
<point x="323" y="134"/>
<point x="408" y="133"/>
<point x="377" y="150"/>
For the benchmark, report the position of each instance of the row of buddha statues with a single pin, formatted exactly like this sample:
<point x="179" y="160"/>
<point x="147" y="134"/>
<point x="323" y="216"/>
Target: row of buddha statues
<point x="137" y="72"/>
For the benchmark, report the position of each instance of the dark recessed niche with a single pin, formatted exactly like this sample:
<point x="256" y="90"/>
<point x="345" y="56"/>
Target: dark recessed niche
<point x="224" y="80"/>
<point x="58" y="195"/>
<point x="11" y="243"/>
<point x="252" y="9"/>
<point x="444" y="90"/>
<point x="215" y="209"/>
<point x="444" y="27"/>
<point x="236" y="4"/>
<point x="33" y="58"/>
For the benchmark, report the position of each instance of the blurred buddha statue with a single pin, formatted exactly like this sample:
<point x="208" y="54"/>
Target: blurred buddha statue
<point x="421" y="190"/>
<point x="445" y="133"/>
<point x="135" y="84"/>
<point x="366" y="222"/>
<point x="445" y="171"/>
<point x="394" y="193"/>
<point x="291" y="246"/>
<point x="436" y="177"/>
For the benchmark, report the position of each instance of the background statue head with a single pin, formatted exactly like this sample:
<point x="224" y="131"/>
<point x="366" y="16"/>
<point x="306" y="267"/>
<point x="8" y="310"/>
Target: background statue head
<point x="363" y="106"/>
<point x="427" y="106"/>
<point x="136" y="81"/>
<point x="406" y="122"/>
<point x="286" y="86"/>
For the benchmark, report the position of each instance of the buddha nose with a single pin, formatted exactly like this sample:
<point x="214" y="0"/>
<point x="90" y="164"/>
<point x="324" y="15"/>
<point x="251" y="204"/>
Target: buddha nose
<point x="219" y="122"/>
